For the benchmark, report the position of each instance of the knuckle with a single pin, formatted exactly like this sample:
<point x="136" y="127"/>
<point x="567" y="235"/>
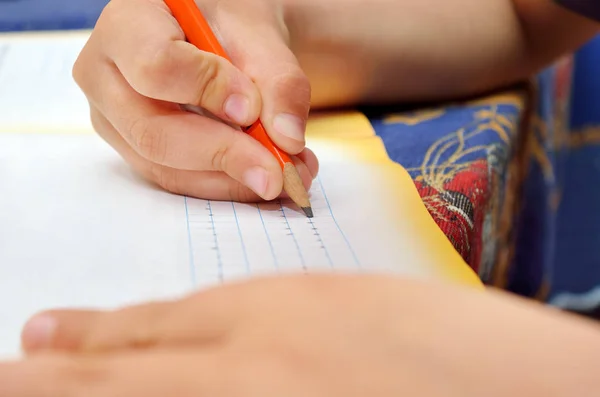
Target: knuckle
<point x="154" y="66"/>
<point x="77" y="72"/>
<point x="293" y="79"/>
<point x="141" y="329"/>
<point x="81" y="71"/>
<point x="218" y="161"/>
<point x="239" y="192"/>
<point x="149" y="140"/>
<point x="207" y="81"/>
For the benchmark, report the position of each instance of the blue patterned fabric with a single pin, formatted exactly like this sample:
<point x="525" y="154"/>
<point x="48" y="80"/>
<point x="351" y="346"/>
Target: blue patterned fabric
<point x="540" y="233"/>
<point x="513" y="179"/>
<point x="575" y="265"/>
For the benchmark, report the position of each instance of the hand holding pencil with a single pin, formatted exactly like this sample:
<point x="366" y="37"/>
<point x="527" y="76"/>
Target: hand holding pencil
<point x="139" y="66"/>
<point x="199" y="33"/>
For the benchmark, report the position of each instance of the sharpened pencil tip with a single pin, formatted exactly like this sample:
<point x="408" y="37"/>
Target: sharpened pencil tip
<point x="308" y="211"/>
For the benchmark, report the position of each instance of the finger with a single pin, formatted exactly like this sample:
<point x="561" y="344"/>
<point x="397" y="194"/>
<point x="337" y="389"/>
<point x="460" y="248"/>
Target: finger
<point x="205" y="185"/>
<point x="199" y="184"/>
<point x="264" y="56"/>
<point x="303" y="170"/>
<point x="148" y="47"/>
<point x="140" y="326"/>
<point x="207" y="318"/>
<point x="57" y="329"/>
<point x="184" y="373"/>
<point x="309" y="158"/>
<point x="203" y="318"/>
<point x="182" y="140"/>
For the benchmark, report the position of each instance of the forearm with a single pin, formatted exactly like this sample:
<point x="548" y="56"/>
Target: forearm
<point x="535" y="352"/>
<point x="550" y="30"/>
<point x="357" y="51"/>
<point x="495" y="344"/>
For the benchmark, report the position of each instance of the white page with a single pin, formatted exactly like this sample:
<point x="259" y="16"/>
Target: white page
<point x="37" y="91"/>
<point x="79" y="229"/>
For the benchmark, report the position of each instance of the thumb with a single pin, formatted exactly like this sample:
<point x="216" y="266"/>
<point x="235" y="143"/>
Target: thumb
<point x="285" y="90"/>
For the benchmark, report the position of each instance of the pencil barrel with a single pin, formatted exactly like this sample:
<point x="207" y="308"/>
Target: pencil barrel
<point x="258" y="132"/>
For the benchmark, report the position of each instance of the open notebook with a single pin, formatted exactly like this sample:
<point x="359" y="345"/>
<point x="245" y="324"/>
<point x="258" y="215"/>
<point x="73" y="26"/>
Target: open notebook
<point x="78" y="228"/>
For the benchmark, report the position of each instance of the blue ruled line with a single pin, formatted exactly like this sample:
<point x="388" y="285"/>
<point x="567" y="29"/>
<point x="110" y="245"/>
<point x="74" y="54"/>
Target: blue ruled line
<point x="237" y="222"/>
<point x="276" y="262"/>
<point x="214" y="230"/>
<point x="191" y="247"/>
<point x="356" y="261"/>
<point x="320" y="240"/>
<point x="293" y="236"/>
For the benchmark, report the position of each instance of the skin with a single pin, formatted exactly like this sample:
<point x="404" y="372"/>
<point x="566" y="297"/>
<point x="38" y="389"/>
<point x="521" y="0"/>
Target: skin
<point x="327" y="335"/>
<point x="322" y="336"/>
<point x="426" y="50"/>
<point x="288" y="56"/>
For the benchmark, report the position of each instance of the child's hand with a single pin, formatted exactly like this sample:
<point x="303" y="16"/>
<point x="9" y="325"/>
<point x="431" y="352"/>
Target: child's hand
<point x="299" y="335"/>
<point x="137" y="68"/>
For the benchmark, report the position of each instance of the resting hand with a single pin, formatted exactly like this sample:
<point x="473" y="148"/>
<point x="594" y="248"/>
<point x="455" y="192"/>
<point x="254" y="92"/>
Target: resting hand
<point x="333" y="336"/>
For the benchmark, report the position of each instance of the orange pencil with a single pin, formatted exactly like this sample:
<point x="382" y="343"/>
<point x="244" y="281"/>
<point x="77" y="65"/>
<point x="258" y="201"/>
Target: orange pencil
<point x="199" y="33"/>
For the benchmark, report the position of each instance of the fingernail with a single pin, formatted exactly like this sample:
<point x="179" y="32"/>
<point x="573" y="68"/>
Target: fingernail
<point x="290" y="126"/>
<point x="39" y="332"/>
<point x="256" y="178"/>
<point x="237" y="108"/>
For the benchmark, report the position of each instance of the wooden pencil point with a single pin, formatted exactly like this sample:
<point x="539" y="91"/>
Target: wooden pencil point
<point x="308" y="211"/>
<point x="293" y="186"/>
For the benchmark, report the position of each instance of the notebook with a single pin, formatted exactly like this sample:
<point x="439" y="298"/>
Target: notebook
<point x="78" y="228"/>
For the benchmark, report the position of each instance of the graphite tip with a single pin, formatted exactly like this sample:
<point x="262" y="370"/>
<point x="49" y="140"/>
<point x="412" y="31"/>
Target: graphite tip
<point x="308" y="211"/>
